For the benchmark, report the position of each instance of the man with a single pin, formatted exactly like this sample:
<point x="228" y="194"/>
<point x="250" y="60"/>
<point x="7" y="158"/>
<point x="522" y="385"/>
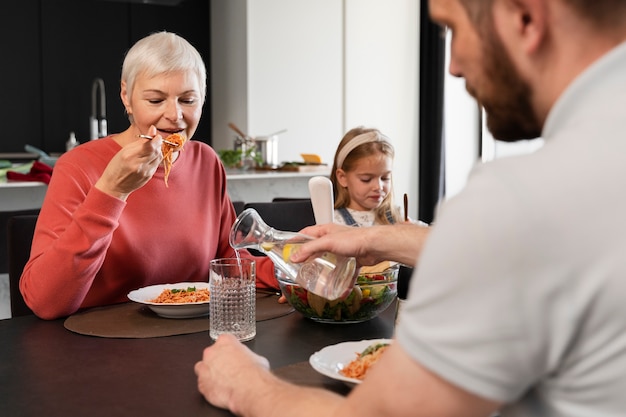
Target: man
<point x="517" y="303"/>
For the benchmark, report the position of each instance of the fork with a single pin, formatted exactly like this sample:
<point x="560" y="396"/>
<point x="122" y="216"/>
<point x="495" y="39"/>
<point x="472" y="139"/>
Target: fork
<point x="152" y="137"/>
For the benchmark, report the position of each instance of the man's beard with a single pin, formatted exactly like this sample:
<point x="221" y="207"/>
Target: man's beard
<point x="510" y="116"/>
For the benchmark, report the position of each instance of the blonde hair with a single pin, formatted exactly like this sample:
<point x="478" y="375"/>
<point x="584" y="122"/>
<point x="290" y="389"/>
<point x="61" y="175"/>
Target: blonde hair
<point x="161" y="53"/>
<point x="380" y="145"/>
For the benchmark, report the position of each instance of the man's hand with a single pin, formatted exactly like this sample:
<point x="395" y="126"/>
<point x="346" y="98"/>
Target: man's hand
<point x="229" y="368"/>
<point x="369" y="245"/>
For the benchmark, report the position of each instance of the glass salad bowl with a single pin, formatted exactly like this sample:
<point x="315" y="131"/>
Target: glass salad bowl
<point x="375" y="289"/>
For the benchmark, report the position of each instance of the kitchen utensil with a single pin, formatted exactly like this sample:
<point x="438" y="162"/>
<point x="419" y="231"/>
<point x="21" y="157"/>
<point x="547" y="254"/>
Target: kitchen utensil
<point x="322" y="199"/>
<point x="238" y="131"/>
<point x="267" y="150"/>
<point x="277" y="133"/>
<point x="152" y="137"/>
<point x="406" y="207"/>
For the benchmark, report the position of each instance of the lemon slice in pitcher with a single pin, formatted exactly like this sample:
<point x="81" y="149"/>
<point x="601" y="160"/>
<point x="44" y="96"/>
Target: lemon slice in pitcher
<point x="288" y="249"/>
<point x="267" y="246"/>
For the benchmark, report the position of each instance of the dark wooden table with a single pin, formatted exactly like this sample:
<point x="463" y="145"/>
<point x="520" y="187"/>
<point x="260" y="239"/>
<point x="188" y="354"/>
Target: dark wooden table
<point x="47" y="370"/>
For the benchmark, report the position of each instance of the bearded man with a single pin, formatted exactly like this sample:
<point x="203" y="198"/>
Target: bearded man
<point x="516" y="305"/>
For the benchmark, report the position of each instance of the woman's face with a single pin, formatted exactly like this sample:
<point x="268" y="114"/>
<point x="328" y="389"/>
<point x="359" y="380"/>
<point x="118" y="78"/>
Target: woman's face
<point x="171" y="102"/>
<point x="368" y="182"/>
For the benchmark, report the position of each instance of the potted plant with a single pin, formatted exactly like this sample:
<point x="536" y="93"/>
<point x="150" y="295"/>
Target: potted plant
<point x="236" y="158"/>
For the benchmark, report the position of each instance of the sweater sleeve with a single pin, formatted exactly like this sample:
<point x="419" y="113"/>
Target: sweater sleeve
<point x="266" y="278"/>
<point x="73" y="233"/>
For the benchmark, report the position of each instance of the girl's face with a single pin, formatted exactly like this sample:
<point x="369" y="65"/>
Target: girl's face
<point x="369" y="181"/>
<point x="171" y="102"/>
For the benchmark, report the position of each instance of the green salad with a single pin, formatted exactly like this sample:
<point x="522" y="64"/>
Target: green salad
<point x="371" y="295"/>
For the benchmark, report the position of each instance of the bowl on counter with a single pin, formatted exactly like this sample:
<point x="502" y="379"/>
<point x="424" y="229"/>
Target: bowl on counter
<point x="374" y="291"/>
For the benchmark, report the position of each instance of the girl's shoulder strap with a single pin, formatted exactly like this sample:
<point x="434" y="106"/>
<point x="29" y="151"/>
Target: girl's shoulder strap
<point x="389" y="216"/>
<point x="347" y="217"/>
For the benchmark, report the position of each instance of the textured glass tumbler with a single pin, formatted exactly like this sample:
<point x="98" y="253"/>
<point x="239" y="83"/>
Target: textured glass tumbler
<point x="233" y="298"/>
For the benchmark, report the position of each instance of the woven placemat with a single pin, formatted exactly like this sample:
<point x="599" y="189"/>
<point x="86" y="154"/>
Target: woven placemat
<point x="136" y="321"/>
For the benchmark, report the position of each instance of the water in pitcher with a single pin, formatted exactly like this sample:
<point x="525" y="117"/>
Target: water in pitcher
<point x="329" y="276"/>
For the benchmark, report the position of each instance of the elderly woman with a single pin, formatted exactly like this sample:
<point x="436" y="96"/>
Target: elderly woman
<point x="115" y="217"/>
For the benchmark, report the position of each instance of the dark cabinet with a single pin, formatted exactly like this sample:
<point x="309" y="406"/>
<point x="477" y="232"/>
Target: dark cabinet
<point x="53" y="50"/>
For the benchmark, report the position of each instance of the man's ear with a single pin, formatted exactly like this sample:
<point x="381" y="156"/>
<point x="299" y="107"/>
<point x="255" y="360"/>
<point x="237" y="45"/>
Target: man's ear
<point x="525" y="21"/>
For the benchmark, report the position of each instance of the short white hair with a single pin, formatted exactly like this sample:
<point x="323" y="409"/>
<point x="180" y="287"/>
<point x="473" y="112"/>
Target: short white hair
<point x="160" y="53"/>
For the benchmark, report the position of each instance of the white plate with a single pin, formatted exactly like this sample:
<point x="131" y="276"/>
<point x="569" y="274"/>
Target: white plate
<point x="331" y="359"/>
<point x="173" y="310"/>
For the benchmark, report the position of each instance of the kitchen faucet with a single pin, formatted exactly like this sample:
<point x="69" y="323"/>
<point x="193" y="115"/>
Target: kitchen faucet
<point x="98" y="122"/>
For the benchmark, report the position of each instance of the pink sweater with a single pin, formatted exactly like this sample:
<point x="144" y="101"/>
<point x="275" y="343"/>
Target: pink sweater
<point x="91" y="249"/>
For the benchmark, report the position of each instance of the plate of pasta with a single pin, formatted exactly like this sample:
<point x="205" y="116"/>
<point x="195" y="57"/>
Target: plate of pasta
<point x="348" y="361"/>
<point x="182" y="300"/>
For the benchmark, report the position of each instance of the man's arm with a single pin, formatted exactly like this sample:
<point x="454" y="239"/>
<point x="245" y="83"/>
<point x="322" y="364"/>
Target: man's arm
<point x="231" y="376"/>
<point x="369" y="245"/>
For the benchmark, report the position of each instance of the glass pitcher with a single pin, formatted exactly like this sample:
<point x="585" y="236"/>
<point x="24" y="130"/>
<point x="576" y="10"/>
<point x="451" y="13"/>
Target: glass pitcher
<point x="330" y="276"/>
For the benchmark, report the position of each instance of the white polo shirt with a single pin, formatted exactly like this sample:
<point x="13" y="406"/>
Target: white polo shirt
<point x="520" y="292"/>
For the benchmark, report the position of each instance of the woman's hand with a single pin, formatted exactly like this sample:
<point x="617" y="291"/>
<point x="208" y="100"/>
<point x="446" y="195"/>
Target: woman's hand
<point x="132" y="167"/>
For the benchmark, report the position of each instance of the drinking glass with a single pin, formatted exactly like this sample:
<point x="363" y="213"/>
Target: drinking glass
<point x="233" y="298"/>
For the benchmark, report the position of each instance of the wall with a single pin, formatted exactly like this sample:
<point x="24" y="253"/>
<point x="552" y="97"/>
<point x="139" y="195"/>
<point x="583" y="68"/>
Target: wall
<point x="295" y="74"/>
<point x="467" y="139"/>
<point x="318" y="68"/>
<point x="278" y="64"/>
<point x="53" y="49"/>
<point x="461" y="129"/>
<point x="382" y="81"/>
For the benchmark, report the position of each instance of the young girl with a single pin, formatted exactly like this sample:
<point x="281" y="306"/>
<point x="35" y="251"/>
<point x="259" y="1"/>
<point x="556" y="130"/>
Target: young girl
<point x="361" y="178"/>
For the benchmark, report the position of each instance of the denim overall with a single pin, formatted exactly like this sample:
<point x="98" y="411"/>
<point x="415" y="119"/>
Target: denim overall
<point x="347" y="217"/>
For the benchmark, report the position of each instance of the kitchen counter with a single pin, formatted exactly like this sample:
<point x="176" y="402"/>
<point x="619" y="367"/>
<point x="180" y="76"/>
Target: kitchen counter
<point x="264" y="185"/>
<point x="246" y="186"/>
<point x="20" y="195"/>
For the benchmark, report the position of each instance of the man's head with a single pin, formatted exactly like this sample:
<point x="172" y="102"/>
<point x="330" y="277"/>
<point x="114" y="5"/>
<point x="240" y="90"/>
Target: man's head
<point x="507" y="51"/>
<point x="601" y="14"/>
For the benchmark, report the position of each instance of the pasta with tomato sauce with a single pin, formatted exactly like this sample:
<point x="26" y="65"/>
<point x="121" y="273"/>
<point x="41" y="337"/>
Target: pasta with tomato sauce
<point x="364" y="361"/>
<point x="188" y="295"/>
<point x="168" y="151"/>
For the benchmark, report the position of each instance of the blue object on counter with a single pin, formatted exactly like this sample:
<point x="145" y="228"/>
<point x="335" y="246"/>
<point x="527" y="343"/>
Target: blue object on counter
<point x="43" y="156"/>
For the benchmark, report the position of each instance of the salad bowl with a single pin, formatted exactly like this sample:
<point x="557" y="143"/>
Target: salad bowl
<point x="375" y="289"/>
